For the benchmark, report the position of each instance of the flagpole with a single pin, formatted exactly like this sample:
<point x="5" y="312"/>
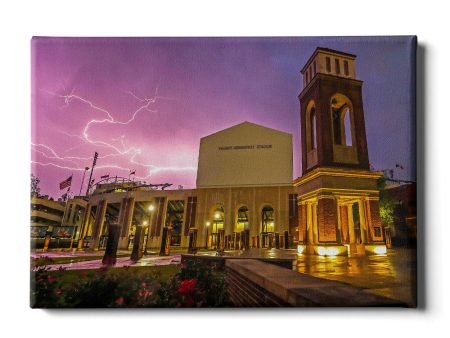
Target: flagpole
<point x="94" y="162"/>
<point x="82" y="181"/>
<point x="65" y="200"/>
<point x="68" y="190"/>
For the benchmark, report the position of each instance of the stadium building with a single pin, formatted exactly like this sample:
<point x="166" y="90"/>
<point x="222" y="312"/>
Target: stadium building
<point x="245" y="194"/>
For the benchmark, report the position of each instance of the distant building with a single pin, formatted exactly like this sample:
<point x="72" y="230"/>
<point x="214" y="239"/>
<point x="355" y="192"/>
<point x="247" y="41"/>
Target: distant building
<point x="45" y="215"/>
<point x="404" y="229"/>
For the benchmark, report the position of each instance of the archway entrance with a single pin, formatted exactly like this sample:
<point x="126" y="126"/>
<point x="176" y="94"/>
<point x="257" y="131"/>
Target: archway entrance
<point x="238" y="237"/>
<point x="174" y="219"/>
<point x="267" y="226"/>
<point x="242" y="219"/>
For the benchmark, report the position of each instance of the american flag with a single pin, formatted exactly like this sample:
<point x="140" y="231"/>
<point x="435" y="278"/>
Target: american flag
<point x="65" y="184"/>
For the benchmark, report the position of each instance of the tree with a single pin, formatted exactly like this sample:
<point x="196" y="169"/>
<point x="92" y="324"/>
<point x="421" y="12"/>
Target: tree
<point x="35" y="190"/>
<point x="387" y="204"/>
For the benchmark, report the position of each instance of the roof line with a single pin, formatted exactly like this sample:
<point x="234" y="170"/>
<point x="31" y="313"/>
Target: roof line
<point x="323" y="49"/>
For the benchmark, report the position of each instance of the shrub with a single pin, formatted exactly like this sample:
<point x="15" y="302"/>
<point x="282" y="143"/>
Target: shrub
<point x="196" y="285"/>
<point x="46" y="287"/>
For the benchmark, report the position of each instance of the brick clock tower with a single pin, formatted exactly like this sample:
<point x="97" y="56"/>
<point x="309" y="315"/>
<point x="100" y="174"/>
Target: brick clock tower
<point x="338" y="195"/>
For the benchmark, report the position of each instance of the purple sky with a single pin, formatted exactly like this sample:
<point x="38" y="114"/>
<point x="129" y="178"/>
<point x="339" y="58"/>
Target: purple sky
<point x="95" y="94"/>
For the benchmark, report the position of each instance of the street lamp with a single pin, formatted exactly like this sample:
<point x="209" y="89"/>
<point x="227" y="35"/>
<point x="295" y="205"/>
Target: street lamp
<point x="208" y="223"/>
<point x="150" y="208"/>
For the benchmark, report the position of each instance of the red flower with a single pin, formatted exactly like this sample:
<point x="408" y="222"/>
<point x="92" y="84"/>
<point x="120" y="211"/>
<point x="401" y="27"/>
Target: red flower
<point x="119" y="301"/>
<point x="58" y="291"/>
<point x="51" y="279"/>
<point x="187" y="286"/>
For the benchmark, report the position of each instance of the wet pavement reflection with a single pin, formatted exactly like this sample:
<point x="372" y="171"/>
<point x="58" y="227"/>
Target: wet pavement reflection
<point x="392" y="275"/>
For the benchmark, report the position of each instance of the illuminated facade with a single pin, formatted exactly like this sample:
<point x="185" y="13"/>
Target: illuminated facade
<point x="244" y="186"/>
<point x="338" y="195"/>
<point x="245" y="196"/>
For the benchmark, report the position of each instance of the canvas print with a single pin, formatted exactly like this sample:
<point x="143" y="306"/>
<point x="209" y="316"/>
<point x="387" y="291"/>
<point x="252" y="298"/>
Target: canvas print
<point x="223" y="172"/>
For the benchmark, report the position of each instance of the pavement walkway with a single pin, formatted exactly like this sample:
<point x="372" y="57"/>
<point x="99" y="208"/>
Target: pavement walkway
<point x="122" y="262"/>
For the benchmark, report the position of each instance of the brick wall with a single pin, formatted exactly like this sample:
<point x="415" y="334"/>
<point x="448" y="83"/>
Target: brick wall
<point x="327" y="219"/>
<point x="245" y="293"/>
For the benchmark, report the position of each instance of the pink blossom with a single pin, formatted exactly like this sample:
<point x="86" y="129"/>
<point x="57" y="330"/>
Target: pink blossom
<point x="119" y="301"/>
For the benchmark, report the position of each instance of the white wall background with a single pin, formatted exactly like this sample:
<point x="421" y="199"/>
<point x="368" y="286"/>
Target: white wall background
<point x="19" y="20"/>
<point x="222" y="163"/>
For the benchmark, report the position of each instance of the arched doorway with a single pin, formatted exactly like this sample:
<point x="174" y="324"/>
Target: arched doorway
<point x="217" y="224"/>
<point x="267" y="225"/>
<point x="240" y="226"/>
<point x="242" y="219"/>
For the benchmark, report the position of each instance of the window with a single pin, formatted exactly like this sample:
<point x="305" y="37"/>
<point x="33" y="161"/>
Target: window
<point x="328" y="64"/>
<point x="346" y="68"/>
<point x="342" y="127"/>
<point x="313" y="129"/>
<point x="337" y="66"/>
<point x="347" y="128"/>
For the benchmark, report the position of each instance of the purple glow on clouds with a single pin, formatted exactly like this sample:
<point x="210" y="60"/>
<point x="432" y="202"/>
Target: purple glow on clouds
<point x="203" y="85"/>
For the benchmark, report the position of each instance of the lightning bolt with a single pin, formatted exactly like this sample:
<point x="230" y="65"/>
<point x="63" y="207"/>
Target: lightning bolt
<point x="145" y="104"/>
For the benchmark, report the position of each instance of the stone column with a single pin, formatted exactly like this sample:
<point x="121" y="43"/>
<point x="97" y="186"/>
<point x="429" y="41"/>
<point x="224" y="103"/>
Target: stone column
<point x="309" y="222"/>
<point x="220" y="240"/>
<point x="302" y="226"/>
<point x="110" y="256"/>
<point x="327" y="220"/>
<point x="192" y="245"/>
<point x="362" y="221"/>
<point x="125" y="219"/>
<point x="136" y="254"/>
<point x="98" y="224"/>
<point x="165" y="241"/>
<point x="315" y="222"/>
<point x="351" y="224"/>
<point x="253" y="223"/>
<point x="344" y="223"/>
<point x="84" y="225"/>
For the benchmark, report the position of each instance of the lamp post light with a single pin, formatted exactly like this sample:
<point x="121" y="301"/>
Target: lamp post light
<point x="150" y="209"/>
<point x="208" y="223"/>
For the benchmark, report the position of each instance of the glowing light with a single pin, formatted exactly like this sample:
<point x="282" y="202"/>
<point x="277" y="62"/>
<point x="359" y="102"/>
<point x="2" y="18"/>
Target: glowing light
<point x="216" y="215"/>
<point x="151" y="207"/>
<point x="145" y="223"/>
<point x="380" y="250"/>
<point x="327" y="251"/>
<point x="208" y="224"/>
<point x="301" y="249"/>
<point x="376" y="249"/>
